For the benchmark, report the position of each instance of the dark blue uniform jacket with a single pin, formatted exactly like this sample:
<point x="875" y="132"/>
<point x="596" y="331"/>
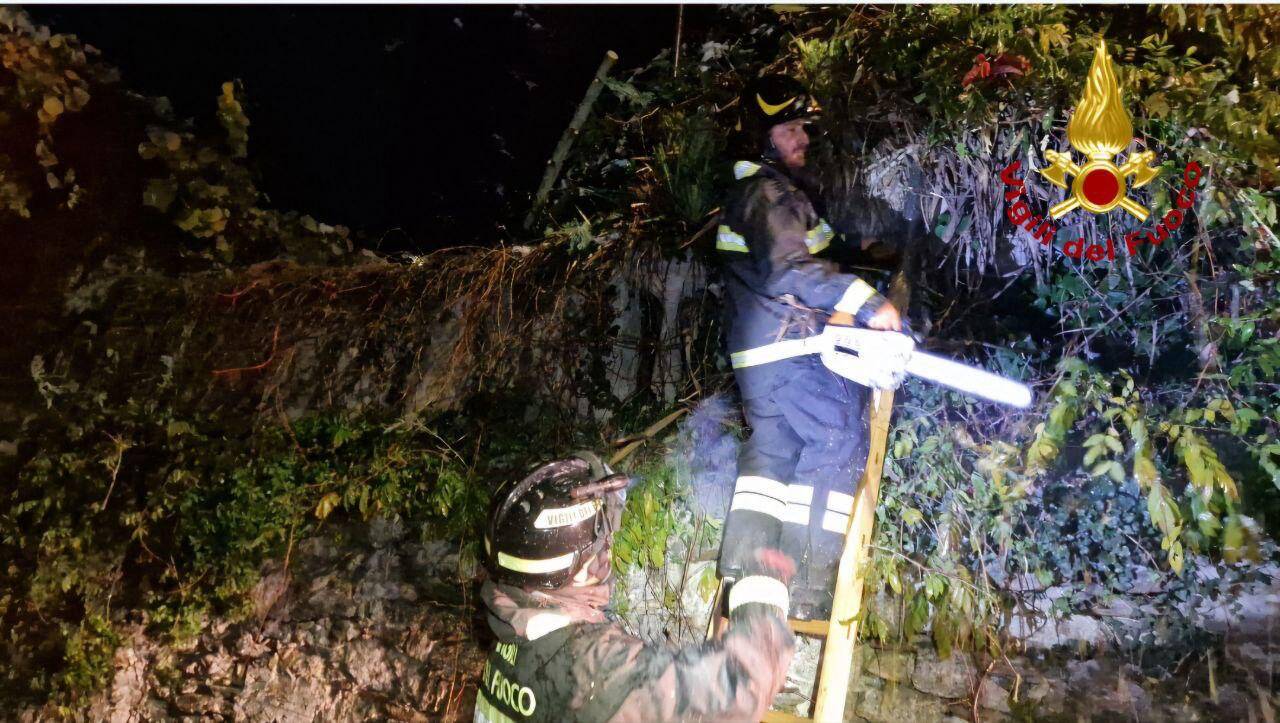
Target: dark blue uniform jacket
<point x="778" y="292"/>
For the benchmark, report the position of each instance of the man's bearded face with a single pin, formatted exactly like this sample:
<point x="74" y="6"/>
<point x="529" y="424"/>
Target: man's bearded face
<point x="791" y="141"/>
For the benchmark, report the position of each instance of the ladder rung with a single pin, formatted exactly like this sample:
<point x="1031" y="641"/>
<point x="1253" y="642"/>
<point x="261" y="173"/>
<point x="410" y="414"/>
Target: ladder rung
<point x="777" y="716"/>
<point x="810" y="627"/>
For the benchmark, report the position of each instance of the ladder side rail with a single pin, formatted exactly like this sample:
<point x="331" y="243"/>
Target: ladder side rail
<point x="842" y="635"/>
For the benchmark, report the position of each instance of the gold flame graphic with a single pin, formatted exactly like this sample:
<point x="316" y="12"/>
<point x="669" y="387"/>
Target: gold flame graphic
<point x="1100" y="128"/>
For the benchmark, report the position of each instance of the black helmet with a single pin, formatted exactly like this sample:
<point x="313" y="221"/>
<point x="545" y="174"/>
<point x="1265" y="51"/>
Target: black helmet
<point x="773" y="99"/>
<point x="543" y="528"/>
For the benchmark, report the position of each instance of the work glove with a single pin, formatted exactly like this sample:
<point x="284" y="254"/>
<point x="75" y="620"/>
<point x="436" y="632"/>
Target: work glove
<point x="884" y="318"/>
<point x="877" y="313"/>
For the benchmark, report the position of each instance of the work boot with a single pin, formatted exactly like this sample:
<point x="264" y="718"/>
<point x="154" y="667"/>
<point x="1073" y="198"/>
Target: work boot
<point x="729" y="571"/>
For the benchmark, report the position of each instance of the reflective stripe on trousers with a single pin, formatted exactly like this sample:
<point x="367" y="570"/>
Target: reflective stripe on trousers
<point x="811" y="433"/>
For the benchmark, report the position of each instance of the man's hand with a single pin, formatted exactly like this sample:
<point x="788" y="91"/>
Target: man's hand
<point x="885" y="319"/>
<point x="776" y="564"/>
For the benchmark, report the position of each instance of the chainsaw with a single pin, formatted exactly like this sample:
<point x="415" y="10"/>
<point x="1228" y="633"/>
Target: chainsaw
<point x="881" y="359"/>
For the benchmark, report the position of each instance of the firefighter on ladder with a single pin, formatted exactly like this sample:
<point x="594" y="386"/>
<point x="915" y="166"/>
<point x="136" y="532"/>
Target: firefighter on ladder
<point x="798" y="470"/>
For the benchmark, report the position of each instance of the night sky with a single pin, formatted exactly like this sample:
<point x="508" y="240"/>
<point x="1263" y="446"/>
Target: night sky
<point x="429" y="119"/>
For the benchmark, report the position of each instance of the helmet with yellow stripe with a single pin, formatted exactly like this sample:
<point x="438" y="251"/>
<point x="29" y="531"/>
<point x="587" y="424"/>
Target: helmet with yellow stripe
<point x="770" y="100"/>
<point x="555" y="523"/>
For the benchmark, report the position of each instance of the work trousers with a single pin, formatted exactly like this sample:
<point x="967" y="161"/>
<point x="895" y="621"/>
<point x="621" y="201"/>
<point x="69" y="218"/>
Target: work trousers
<point x="797" y="474"/>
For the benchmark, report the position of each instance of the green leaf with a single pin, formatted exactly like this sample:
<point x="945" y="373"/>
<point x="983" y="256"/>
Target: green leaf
<point x="176" y="428"/>
<point x="327" y="504"/>
<point x="1093" y="454"/>
<point x="159" y="194"/>
<point x="935" y="586"/>
<point x="343" y="435"/>
<point x="53" y="107"/>
<point x="1175" y="557"/>
<point x="1144" y="468"/>
<point x="894" y="579"/>
<point x="628" y="92"/>
<point x="1267" y="458"/>
<point x="1159" y="509"/>
<point x="1047" y="121"/>
<point x="944" y="635"/>
<point x="917" y="615"/>
<point x="1095" y="440"/>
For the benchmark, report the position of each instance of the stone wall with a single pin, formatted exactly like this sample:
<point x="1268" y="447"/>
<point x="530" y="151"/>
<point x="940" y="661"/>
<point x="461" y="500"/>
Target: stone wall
<point x="1096" y="666"/>
<point x="906" y="686"/>
<point x="376" y="627"/>
<point x="914" y="685"/>
<point x="379" y="625"/>
<point x="1141" y="655"/>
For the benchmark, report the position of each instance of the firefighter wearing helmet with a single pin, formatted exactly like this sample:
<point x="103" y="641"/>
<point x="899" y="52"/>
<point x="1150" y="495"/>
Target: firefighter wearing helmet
<point x="559" y="658"/>
<point x="809" y="440"/>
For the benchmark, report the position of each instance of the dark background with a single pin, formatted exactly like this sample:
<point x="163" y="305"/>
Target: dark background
<point x="418" y="125"/>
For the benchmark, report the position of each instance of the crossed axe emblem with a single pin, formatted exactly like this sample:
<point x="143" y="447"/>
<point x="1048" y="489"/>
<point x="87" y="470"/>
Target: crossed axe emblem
<point x="1099" y="185"/>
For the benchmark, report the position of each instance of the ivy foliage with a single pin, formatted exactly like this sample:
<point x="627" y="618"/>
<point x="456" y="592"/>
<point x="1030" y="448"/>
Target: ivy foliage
<point x="133" y="505"/>
<point x="208" y="192"/>
<point x="132" y="509"/>
<point x="201" y="182"/>
<point x="51" y="76"/>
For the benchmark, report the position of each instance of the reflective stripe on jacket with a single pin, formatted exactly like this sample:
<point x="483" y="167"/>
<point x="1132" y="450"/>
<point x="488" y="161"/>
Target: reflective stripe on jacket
<point x="778" y="292"/>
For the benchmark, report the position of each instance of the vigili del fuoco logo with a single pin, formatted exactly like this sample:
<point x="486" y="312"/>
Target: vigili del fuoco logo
<point x="1099" y="130"/>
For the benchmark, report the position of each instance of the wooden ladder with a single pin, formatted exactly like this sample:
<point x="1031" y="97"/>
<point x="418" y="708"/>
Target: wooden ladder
<point x="840" y="633"/>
